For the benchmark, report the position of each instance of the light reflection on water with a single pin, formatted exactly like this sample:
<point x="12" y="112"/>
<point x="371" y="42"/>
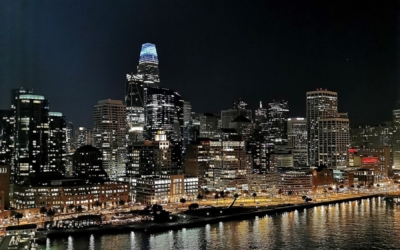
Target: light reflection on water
<point x="368" y="224"/>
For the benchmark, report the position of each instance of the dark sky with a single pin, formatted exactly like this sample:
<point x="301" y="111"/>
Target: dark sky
<point x="212" y="52"/>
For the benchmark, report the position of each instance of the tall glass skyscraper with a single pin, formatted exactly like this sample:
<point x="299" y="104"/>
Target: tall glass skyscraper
<point x="147" y="76"/>
<point x="57" y="142"/>
<point x="31" y="134"/>
<point x="33" y="140"/>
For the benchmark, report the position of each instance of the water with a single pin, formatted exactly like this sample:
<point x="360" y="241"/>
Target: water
<point x="367" y="224"/>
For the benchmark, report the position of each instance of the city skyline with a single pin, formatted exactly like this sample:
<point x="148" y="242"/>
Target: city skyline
<point x="288" y="49"/>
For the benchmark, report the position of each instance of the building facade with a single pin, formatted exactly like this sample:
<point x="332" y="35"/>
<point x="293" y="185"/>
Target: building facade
<point x="296" y="182"/>
<point x="88" y="164"/>
<point x="239" y="108"/>
<point x="276" y="129"/>
<point x="31" y="135"/>
<point x="4" y="187"/>
<point x="164" y="189"/>
<point x="147" y="76"/>
<point x="208" y="125"/>
<point x="229" y="165"/>
<point x="333" y="142"/>
<point x="109" y="135"/>
<point x="57" y="142"/>
<point x="59" y="194"/>
<point x="320" y="104"/>
<point x="82" y="137"/>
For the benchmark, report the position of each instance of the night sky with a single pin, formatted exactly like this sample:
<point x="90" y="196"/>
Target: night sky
<point x="211" y="52"/>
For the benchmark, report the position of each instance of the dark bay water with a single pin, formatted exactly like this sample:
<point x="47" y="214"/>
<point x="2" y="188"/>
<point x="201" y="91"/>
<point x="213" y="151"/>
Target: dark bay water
<point x="367" y="224"/>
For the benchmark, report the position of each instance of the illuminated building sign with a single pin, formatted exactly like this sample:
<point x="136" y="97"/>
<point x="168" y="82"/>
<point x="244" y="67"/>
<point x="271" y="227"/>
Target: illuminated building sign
<point x="227" y="144"/>
<point x="3" y="170"/>
<point x="369" y="160"/>
<point x="352" y="150"/>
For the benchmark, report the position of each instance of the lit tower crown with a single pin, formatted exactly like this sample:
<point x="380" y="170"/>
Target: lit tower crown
<point x="148" y="54"/>
<point x="147" y="71"/>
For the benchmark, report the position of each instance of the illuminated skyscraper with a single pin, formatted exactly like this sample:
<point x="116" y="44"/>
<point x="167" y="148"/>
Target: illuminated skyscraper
<point x="88" y="164"/>
<point x="297" y="133"/>
<point x="277" y="123"/>
<point x="6" y="136"/>
<point x="57" y="141"/>
<point x="31" y="114"/>
<point x="297" y="140"/>
<point x="208" y="125"/>
<point x="320" y="104"/>
<point x="261" y="114"/>
<point x="334" y="141"/>
<point x="34" y="140"/>
<point x="147" y="76"/>
<point x="163" y="111"/>
<point x="109" y="135"/>
<point x="82" y="137"/>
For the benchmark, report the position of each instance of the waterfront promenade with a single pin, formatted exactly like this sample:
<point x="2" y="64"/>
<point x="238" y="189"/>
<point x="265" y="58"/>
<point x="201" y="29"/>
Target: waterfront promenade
<point x="249" y="207"/>
<point x="204" y="216"/>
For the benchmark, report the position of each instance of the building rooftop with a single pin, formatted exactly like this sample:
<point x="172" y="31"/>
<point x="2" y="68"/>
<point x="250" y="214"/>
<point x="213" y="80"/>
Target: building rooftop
<point x="241" y="118"/>
<point x="32" y="97"/>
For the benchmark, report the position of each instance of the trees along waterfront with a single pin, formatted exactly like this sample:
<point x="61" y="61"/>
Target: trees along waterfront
<point x="43" y="211"/>
<point x="199" y="197"/>
<point x="183" y="201"/>
<point x="18" y="216"/>
<point x="216" y="196"/>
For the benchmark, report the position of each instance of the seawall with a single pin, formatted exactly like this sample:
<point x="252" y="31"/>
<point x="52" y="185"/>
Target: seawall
<point x="198" y="222"/>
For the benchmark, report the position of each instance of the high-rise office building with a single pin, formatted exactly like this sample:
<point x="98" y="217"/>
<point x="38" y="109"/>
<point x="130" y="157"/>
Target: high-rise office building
<point x="208" y="125"/>
<point x="70" y="136"/>
<point x="396" y="137"/>
<point x="57" y="142"/>
<point x="276" y="133"/>
<point x="297" y="140"/>
<point x="261" y="114"/>
<point x="334" y="141"/>
<point x="239" y="108"/>
<point x="187" y="112"/>
<point x="33" y="140"/>
<point x="109" y="135"/>
<point x="375" y="136"/>
<point x="191" y="132"/>
<point x="7" y="121"/>
<point x="297" y="132"/>
<point x="88" y="164"/>
<point x="242" y="126"/>
<point x="197" y="160"/>
<point x="320" y="104"/>
<point x="151" y="108"/>
<point x="82" y="137"/>
<point x="163" y="111"/>
<point x="229" y="165"/>
<point x="150" y="158"/>
<point x="4" y="187"/>
<point x="147" y="76"/>
<point x="31" y="135"/>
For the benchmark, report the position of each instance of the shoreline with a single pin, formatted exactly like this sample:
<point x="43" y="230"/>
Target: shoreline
<point x="198" y="222"/>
